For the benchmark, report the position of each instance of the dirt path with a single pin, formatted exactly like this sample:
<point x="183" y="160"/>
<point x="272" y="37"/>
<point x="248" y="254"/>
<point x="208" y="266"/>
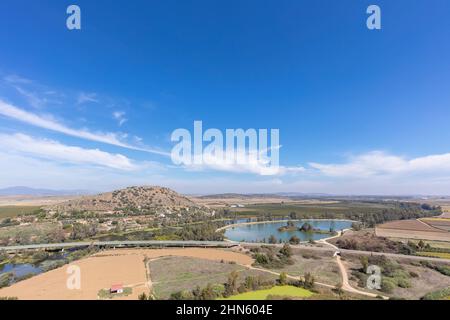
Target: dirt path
<point x="287" y="275"/>
<point x="344" y="275"/>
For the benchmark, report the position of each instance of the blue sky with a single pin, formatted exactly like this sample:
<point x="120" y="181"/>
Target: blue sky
<point x="359" y="111"/>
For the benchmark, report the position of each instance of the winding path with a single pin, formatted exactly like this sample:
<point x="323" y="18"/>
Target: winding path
<point x="343" y="270"/>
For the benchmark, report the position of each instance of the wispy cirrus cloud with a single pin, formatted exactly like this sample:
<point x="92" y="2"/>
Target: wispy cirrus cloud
<point x="56" y="151"/>
<point x="84" y="97"/>
<point x="34" y="99"/>
<point x="15" y="79"/>
<point x="120" y="117"/>
<point x="49" y="123"/>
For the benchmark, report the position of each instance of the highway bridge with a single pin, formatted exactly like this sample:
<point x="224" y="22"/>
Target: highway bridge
<point x="122" y="244"/>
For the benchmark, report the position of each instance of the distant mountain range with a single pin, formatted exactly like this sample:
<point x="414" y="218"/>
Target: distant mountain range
<point x="26" y="191"/>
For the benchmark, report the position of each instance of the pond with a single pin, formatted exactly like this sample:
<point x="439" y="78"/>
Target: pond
<point x="262" y="231"/>
<point x="20" y="270"/>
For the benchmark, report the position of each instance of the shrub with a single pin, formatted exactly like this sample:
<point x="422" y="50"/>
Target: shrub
<point x="387" y="285"/>
<point x="403" y="283"/>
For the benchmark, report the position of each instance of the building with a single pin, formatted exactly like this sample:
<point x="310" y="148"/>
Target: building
<point x="116" y="288"/>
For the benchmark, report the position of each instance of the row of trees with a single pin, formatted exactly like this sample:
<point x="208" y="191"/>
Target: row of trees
<point x="233" y="287"/>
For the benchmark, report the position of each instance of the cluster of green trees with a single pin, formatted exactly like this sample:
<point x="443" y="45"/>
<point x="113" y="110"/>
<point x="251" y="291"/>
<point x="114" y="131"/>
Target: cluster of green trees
<point x="82" y="231"/>
<point x="369" y="213"/>
<point x="201" y="232"/>
<point x="231" y="287"/>
<point x="273" y="258"/>
<point x="377" y="245"/>
<point x="398" y="211"/>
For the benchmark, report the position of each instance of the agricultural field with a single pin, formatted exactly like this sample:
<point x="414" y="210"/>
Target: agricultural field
<point x="412" y="229"/>
<point x="440" y="223"/>
<point x="277" y="291"/>
<point x="442" y="255"/>
<point x="98" y="272"/>
<point x="38" y="232"/>
<point x="173" y="274"/>
<point x="14" y="211"/>
<point x="127" y="267"/>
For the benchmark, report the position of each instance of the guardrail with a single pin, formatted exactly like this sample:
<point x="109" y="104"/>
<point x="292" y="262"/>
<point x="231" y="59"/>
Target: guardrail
<point x="123" y="244"/>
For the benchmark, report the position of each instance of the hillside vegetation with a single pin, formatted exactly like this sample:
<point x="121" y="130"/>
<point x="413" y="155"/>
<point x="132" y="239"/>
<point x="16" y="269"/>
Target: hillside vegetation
<point x="130" y="200"/>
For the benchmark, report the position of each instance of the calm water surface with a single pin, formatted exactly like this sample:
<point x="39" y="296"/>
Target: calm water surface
<point x="262" y="231"/>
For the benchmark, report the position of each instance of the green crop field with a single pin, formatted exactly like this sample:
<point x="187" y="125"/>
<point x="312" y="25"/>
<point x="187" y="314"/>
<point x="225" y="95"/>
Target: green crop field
<point x="283" y="291"/>
<point x="14" y="211"/>
<point x="337" y="209"/>
<point x="442" y="255"/>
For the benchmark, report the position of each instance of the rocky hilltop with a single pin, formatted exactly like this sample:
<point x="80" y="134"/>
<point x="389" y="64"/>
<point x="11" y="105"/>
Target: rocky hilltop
<point x="145" y="200"/>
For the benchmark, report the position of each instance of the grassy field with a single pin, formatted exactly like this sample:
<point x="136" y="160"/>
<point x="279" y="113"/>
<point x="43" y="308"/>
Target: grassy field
<point x="172" y="274"/>
<point x="280" y="291"/>
<point x="321" y="265"/>
<point x="13" y="211"/>
<point x="419" y="280"/>
<point x="443" y="255"/>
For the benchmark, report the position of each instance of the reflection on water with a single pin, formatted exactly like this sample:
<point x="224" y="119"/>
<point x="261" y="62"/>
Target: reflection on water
<point x="20" y="270"/>
<point x="261" y="232"/>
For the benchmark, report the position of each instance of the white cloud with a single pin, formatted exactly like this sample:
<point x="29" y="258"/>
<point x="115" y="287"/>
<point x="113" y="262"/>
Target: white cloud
<point x="242" y="162"/>
<point x="49" y="123"/>
<point x="15" y="79"/>
<point x="55" y="151"/>
<point x="378" y="163"/>
<point x="120" y="117"/>
<point x="84" y="97"/>
<point x="32" y="97"/>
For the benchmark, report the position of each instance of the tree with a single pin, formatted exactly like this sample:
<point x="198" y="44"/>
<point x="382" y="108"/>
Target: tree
<point x="282" y="280"/>
<point x="272" y="239"/>
<point x="143" y="296"/>
<point x="232" y="284"/>
<point x="338" y="289"/>
<point x="208" y="293"/>
<point x="364" y="262"/>
<point x="309" y="281"/>
<point x="290" y="224"/>
<point x="286" y="250"/>
<point x="261" y="259"/>
<point x="306" y="227"/>
<point x="294" y="240"/>
<point x="421" y="244"/>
